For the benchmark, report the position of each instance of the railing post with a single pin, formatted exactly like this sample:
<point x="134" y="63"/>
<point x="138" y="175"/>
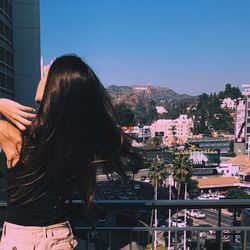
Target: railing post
<point x="109" y="241"/>
<point x="130" y="237"/>
<point x="244" y="240"/>
<point x="234" y="223"/>
<point x="87" y="241"/>
<point x="175" y="239"/>
<point x="221" y="240"/>
<point x="198" y="240"/>
<point x="218" y="234"/>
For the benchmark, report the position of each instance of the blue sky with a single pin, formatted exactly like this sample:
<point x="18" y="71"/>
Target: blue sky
<point x="190" y="46"/>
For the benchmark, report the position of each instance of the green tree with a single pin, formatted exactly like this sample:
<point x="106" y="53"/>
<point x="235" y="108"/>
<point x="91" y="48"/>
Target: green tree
<point x="182" y="171"/>
<point x="153" y="143"/>
<point x="124" y="114"/>
<point x="173" y="130"/>
<point x="236" y="193"/>
<point x="140" y="112"/>
<point x="157" y="173"/>
<point x="151" y="112"/>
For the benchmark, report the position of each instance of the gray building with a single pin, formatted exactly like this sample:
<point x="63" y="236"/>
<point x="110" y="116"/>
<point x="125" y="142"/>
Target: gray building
<point x="19" y="49"/>
<point x="212" y="143"/>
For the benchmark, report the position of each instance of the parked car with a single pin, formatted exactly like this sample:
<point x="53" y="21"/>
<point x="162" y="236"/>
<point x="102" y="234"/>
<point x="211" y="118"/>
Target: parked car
<point x="147" y="180"/>
<point x="213" y="197"/>
<point x="179" y="237"/>
<point x="203" y="197"/>
<point x="188" y="220"/>
<point x="178" y="223"/>
<point x="137" y="186"/>
<point x="196" y="213"/>
<point x="207" y="231"/>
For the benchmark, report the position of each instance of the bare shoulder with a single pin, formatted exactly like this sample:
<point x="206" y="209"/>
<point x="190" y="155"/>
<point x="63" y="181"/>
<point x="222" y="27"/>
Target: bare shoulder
<point x="8" y="133"/>
<point x="10" y="139"/>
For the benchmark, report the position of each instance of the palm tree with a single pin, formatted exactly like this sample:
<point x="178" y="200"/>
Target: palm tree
<point x="173" y="130"/>
<point x="157" y="173"/>
<point x="182" y="173"/>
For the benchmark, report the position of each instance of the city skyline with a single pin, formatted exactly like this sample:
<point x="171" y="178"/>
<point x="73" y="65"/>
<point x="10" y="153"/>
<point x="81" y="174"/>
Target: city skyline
<point x="190" y="47"/>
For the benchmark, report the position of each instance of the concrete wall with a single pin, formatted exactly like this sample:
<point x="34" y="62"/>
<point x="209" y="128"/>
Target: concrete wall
<point x="26" y="39"/>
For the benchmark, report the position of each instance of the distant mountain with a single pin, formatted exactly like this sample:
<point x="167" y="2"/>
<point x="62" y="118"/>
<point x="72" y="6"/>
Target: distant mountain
<point x="132" y="94"/>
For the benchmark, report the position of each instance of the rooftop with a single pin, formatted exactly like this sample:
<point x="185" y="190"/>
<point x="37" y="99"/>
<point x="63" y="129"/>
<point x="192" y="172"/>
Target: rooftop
<point x="240" y="160"/>
<point x="217" y="182"/>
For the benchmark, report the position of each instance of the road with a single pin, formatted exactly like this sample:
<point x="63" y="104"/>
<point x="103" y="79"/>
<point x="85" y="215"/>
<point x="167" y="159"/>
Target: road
<point x="211" y="219"/>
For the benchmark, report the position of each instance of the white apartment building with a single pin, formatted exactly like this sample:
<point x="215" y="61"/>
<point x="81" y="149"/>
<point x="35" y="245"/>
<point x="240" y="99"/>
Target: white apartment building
<point x="160" y="110"/>
<point x="173" y="131"/>
<point x="228" y="103"/>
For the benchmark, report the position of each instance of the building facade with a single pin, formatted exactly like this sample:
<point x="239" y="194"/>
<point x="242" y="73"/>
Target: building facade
<point x="228" y="103"/>
<point x="19" y="49"/>
<point x="173" y="131"/>
<point x="212" y="143"/>
<point x="7" y="86"/>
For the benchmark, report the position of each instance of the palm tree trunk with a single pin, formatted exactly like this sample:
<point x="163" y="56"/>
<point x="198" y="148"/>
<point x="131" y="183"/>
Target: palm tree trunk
<point x="169" y="219"/>
<point x="151" y="223"/>
<point x="155" y="219"/>
<point x="179" y="190"/>
<point x="185" y="219"/>
<point x="177" y="212"/>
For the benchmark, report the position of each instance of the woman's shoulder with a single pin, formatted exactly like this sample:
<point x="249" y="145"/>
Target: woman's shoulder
<point x="9" y="132"/>
<point x="10" y="138"/>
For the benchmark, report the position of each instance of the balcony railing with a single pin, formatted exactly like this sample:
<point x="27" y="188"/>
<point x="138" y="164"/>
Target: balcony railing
<point x="135" y="236"/>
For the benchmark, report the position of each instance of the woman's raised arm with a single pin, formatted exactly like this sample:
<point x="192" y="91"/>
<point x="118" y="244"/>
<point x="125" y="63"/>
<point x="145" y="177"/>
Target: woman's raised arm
<point x="18" y="114"/>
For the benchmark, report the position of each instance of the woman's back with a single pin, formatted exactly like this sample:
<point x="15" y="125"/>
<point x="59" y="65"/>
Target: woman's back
<point x="46" y="210"/>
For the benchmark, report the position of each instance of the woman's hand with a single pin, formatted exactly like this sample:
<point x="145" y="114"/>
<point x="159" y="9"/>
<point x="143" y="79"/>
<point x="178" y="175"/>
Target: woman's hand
<point x="16" y="113"/>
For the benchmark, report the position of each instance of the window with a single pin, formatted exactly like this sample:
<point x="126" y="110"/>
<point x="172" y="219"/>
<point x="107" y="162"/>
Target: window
<point x="2" y="80"/>
<point x="2" y="56"/>
<point x="8" y="32"/>
<point x="248" y="105"/>
<point x="9" y="58"/>
<point x="1" y="28"/>
<point x="10" y="83"/>
<point x="248" y="113"/>
<point x="248" y="130"/>
<point x="7" y="8"/>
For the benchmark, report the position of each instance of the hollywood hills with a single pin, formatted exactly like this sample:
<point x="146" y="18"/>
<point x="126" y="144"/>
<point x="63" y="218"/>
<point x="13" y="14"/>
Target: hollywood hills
<point x="132" y="94"/>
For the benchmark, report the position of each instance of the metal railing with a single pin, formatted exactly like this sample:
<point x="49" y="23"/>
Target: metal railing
<point x="135" y="234"/>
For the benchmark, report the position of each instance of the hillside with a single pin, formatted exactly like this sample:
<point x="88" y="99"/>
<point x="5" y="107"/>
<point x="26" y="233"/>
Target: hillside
<point x="132" y="94"/>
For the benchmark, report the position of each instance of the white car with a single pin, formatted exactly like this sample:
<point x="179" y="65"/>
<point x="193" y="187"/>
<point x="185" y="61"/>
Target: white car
<point x="196" y="213"/>
<point x="203" y="197"/>
<point x="213" y="197"/>
<point x="147" y="180"/>
<point x="221" y="196"/>
<point x="178" y="223"/>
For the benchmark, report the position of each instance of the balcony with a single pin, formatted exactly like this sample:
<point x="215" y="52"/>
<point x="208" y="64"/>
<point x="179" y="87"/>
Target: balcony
<point x="124" y="228"/>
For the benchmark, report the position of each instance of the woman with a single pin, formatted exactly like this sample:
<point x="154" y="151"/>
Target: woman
<point x="73" y="131"/>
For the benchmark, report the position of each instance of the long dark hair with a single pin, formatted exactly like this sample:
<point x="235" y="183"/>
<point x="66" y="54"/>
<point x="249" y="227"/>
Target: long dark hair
<point x="74" y="130"/>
